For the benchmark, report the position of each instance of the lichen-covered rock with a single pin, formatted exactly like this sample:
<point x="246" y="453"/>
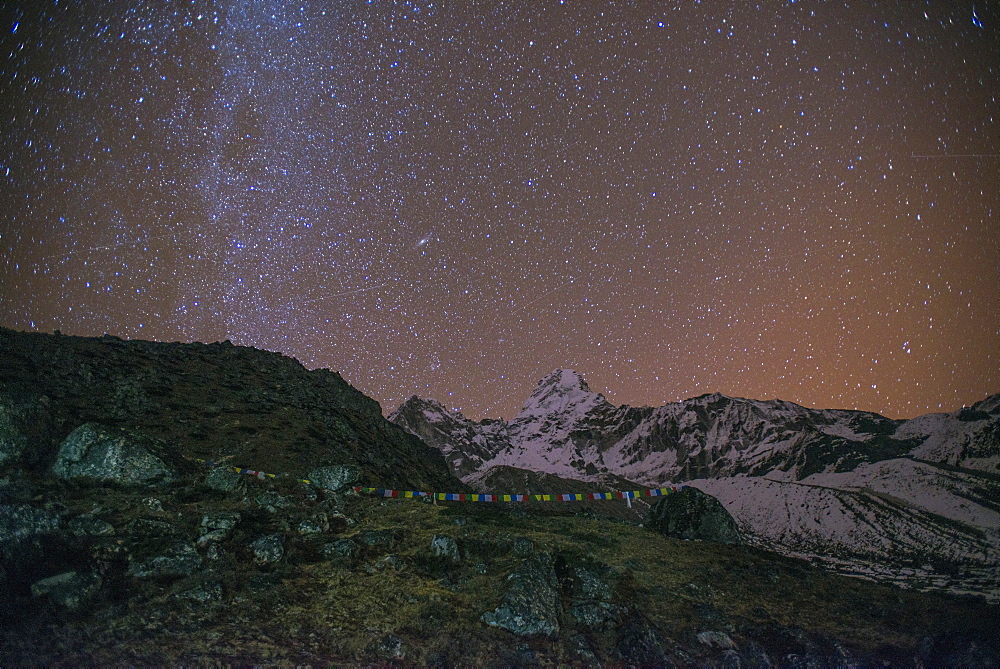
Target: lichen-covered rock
<point x="181" y="559"/>
<point x="69" y="589"/>
<point x="109" y="454"/>
<point x="640" y="642"/>
<point x="377" y="538"/>
<point x="591" y="599"/>
<point x="203" y="592"/>
<point x="269" y="549"/>
<point x="444" y="546"/>
<point x="216" y="527"/>
<point x="211" y="537"/>
<point x="153" y="504"/>
<point x="271" y="501"/>
<point x="22" y="521"/>
<point x="221" y="520"/>
<point x="691" y="514"/>
<point x="530" y="606"/>
<point x="334" y="477"/>
<point x="309" y="526"/>
<point x="340" y="551"/>
<point x="225" y="479"/>
<point x="714" y="639"/>
<point x="90" y="526"/>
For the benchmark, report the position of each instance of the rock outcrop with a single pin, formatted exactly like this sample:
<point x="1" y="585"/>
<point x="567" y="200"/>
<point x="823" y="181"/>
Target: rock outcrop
<point x="100" y="453"/>
<point x="691" y="514"/>
<point x="531" y="602"/>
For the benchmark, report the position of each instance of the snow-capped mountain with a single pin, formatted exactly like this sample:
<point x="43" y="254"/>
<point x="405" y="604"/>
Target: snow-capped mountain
<point x="566" y="429"/>
<point x="465" y="444"/>
<point x="911" y="500"/>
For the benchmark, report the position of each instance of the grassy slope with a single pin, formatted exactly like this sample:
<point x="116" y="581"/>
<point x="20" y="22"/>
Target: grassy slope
<point x="308" y="611"/>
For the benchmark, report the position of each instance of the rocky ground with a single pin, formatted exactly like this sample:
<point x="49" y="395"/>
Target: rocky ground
<point x="118" y="547"/>
<point x="219" y="568"/>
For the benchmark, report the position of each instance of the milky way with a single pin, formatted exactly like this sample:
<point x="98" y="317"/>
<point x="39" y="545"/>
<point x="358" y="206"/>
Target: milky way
<point x="794" y="200"/>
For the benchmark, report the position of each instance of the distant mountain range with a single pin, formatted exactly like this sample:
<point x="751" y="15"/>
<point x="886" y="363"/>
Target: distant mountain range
<point x="913" y="501"/>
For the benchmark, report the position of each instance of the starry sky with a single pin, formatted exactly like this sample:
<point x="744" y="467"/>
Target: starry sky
<point x="786" y="199"/>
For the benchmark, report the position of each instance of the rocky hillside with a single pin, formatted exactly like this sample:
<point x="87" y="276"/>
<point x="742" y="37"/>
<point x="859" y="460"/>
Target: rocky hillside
<point x="220" y="402"/>
<point x="219" y="568"/>
<point x="116" y="548"/>
<point x="912" y="501"/>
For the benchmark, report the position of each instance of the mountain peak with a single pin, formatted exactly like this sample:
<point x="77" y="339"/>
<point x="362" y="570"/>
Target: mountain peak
<point x="429" y="407"/>
<point x="564" y="379"/>
<point x="561" y="391"/>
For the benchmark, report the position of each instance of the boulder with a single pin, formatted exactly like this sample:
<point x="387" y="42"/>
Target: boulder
<point x="308" y="526"/>
<point x="714" y="639"/>
<point x="377" y="538"/>
<point x="109" y="454"/>
<point x="341" y="551"/>
<point x="226" y="479"/>
<point x="530" y="606"/>
<point x="221" y="520"/>
<point x="446" y="547"/>
<point x="269" y="549"/>
<point x="591" y="599"/>
<point x="272" y="501"/>
<point x="335" y="477"/>
<point x="691" y="514"/>
<point x="181" y="559"/>
<point x="216" y="527"/>
<point x="69" y="590"/>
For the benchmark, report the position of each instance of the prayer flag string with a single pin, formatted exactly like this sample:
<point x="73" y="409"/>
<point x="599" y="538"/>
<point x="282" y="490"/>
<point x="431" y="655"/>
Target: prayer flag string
<point x="479" y="497"/>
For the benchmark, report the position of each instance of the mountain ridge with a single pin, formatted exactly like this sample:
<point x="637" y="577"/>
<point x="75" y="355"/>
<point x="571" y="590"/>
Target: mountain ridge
<point x="578" y="433"/>
<point x="834" y="485"/>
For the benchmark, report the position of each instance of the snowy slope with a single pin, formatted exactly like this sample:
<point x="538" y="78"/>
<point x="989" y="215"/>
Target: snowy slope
<point x="465" y="444"/>
<point x="967" y="438"/>
<point x="559" y="429"/>
<point x="896" y="521"/>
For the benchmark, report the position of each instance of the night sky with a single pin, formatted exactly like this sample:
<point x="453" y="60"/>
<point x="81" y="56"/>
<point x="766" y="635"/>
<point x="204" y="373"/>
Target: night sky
<point x="791" y="199"/>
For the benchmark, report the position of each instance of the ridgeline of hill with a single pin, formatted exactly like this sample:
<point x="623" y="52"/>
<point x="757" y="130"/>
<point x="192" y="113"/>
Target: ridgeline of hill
<point x="217" y="402"/>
